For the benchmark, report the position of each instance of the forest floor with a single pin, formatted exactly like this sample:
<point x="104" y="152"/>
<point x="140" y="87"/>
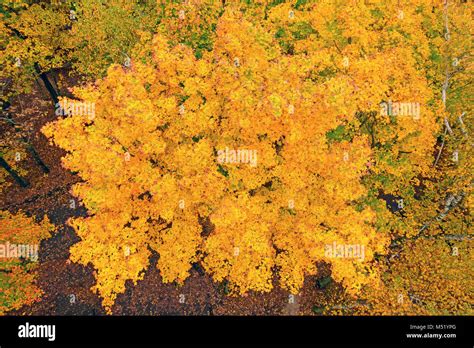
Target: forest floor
<point x="66" y="285"/>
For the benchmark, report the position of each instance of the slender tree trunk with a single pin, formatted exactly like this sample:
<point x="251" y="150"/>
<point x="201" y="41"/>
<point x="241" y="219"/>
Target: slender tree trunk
<point x="52" y="91"/>
<point x="31" y="149"/>
<point x="22" y="182"/>
<point x="49" y="86"/>
<point x="29" y="146"/>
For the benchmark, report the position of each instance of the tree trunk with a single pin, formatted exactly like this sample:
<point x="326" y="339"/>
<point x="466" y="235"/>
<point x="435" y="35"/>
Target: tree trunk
<point x="29" y="146"/>
<point x="22" y="182"/>
<point x="49" y="86"/>
<point x="35" y="155"/>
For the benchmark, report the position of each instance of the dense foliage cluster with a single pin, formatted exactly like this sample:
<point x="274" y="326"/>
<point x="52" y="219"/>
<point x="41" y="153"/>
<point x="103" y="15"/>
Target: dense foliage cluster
<point x="19" y="243"/>
<point x="261" y="138"/>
